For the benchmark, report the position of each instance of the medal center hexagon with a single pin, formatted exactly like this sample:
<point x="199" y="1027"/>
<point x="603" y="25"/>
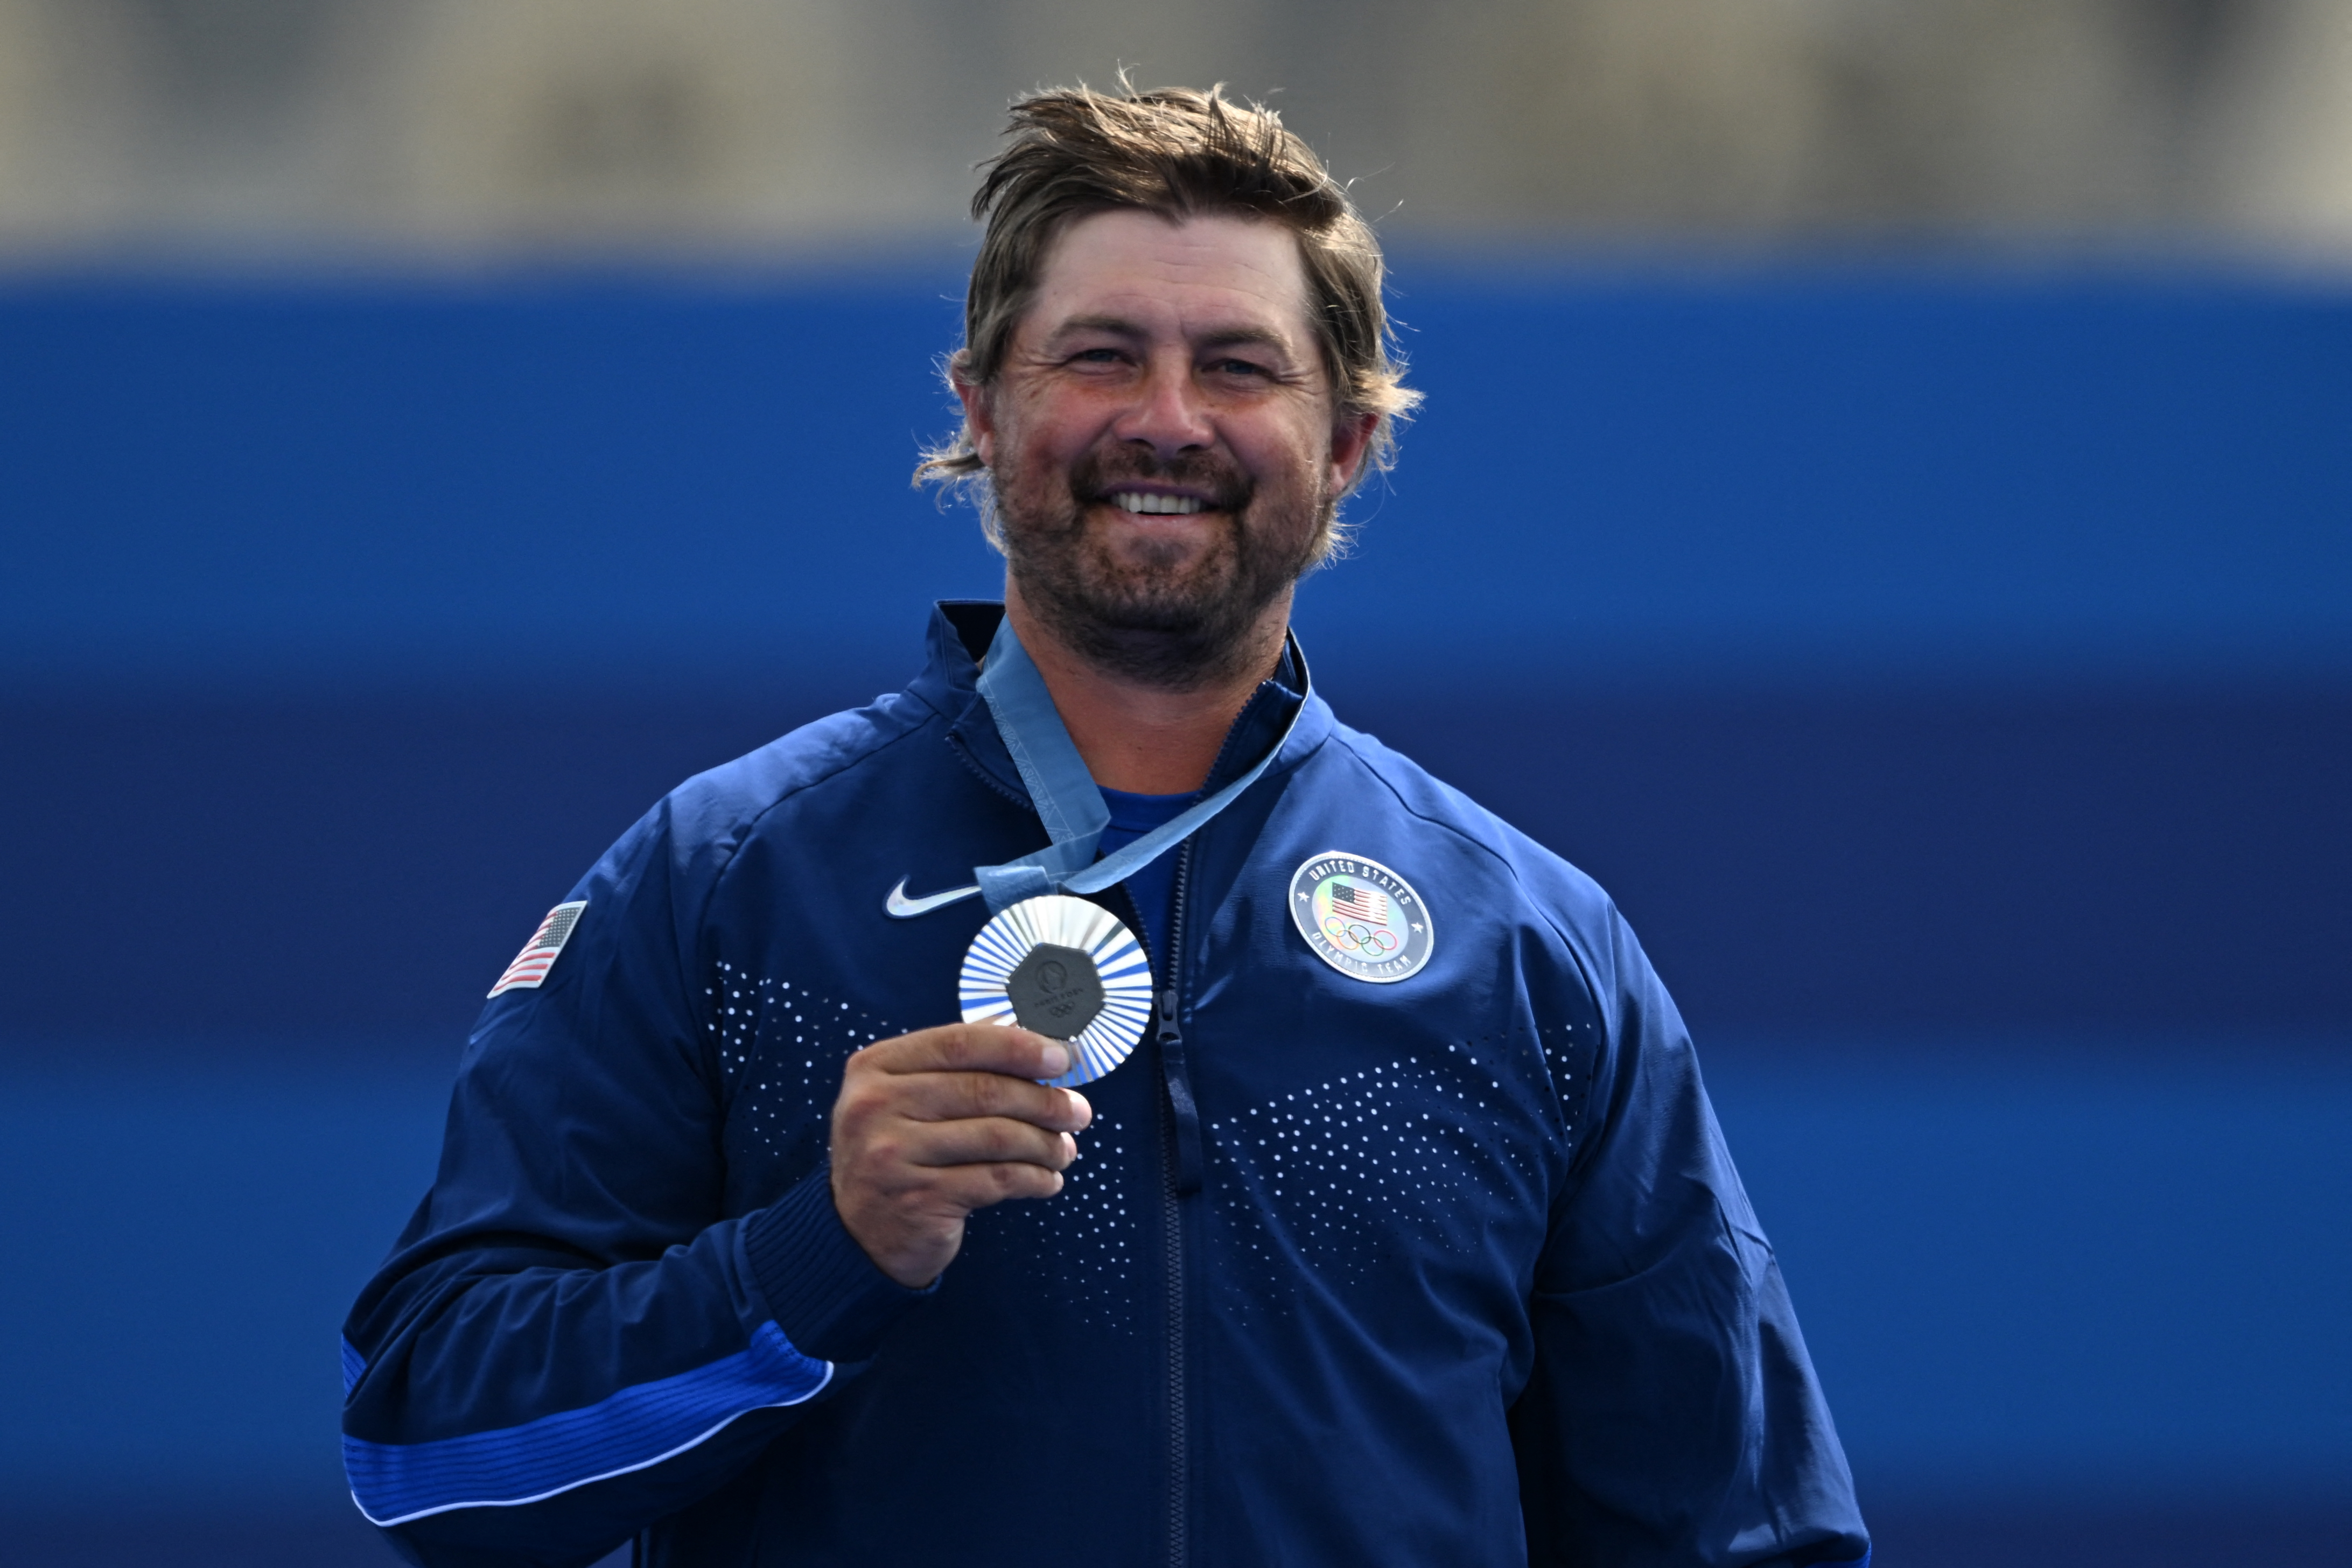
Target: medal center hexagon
<point x="1055" y="990"/>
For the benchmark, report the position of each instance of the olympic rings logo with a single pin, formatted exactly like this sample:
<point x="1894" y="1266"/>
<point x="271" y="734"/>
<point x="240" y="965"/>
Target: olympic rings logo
<point x="1354" y="936"/>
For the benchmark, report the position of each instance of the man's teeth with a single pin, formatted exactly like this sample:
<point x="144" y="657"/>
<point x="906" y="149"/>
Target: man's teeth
<point x="1135" y="500"/>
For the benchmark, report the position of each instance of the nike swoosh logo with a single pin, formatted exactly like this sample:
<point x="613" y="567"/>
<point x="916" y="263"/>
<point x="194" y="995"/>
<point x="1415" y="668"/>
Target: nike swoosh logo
<point x="900" y="906"/>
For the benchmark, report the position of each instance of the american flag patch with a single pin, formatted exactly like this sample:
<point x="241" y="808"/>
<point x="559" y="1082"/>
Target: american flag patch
<point x="538" y="955"/>
<point x="1367" y="904"/>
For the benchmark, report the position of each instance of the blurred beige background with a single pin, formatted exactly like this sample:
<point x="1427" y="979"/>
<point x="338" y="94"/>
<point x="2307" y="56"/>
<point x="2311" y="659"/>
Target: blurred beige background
<point x="453" y="130"/>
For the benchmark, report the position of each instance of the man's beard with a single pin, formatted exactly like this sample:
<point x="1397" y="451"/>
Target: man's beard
<point x="1153" y="617"/>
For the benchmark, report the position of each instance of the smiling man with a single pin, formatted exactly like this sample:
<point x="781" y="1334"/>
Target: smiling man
<point x="1164" y="451"/>
<point x="1403" y="1232"/>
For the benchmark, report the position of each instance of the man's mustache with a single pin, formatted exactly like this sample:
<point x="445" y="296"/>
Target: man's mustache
<point x="1097" y="475"/>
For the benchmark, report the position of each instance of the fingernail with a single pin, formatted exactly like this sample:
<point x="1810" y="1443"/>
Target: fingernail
<point x="1057" y="1058"/>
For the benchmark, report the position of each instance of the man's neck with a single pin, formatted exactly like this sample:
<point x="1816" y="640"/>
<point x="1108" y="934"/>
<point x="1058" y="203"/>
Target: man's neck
<point x="1145" y="740"/>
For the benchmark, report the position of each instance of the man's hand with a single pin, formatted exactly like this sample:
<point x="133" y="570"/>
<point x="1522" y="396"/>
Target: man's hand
<point x="932" y="1125"/>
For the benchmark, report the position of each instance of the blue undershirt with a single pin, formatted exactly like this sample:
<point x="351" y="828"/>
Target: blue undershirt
<point x="1153" y="888"/>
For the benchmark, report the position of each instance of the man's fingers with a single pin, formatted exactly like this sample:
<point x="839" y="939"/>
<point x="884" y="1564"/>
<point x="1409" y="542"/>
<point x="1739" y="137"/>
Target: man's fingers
<point x="933" y="1125"/>
<point x="970" y="1048"/>
<point x="973" y="1187"/>
<point x="957" y="1096"/>
<point x="931" y="1146"/>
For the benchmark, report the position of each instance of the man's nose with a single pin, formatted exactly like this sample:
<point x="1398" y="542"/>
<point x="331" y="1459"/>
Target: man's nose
<point x="1168" y="412"/>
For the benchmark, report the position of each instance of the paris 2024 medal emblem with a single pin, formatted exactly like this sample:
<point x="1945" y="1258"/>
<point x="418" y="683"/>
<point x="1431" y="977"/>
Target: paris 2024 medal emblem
<point x="1064" y="968"/>
<point x="1361" y="918"/>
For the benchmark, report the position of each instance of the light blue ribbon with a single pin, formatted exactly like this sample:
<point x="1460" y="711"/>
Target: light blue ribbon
<point x="1065" y="794"/>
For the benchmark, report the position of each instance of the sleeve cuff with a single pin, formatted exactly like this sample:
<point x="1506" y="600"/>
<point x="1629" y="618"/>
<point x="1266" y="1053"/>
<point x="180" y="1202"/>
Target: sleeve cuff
<point x="822" y="1288"/>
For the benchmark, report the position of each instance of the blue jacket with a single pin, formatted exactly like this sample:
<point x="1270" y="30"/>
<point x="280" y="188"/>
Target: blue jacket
<point x="1454" y="1270"/>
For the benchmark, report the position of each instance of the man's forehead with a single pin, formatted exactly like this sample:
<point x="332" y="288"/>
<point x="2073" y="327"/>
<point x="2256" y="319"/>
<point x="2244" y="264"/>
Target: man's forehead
<point x="1210" y="275"/>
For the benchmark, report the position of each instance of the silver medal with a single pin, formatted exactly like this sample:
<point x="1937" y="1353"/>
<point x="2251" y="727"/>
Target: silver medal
<point x="1065" y="968"/>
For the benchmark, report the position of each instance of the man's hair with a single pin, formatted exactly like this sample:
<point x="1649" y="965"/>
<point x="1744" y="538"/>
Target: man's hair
<point x="1180" y="153"/>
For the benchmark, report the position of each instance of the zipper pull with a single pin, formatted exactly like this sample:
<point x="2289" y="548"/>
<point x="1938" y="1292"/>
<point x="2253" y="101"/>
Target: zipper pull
<point x="1177" y="1077"/>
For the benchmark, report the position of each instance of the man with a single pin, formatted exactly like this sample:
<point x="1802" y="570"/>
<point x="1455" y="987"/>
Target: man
<point x="1405" y="1236"/>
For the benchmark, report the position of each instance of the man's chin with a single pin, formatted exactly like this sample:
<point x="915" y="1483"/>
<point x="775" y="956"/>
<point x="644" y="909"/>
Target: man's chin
<point x="1157" y="606"/>
<point x="1157" y="574"/>
<point x="1162" y="629"/>
<point x="1166" y="599"/>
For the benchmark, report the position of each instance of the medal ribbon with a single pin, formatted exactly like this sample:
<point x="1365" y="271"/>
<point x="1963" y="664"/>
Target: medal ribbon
<point x="1067" y="798"/>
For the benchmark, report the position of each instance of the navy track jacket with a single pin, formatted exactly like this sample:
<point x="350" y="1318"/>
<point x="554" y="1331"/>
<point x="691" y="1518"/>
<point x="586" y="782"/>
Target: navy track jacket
<point x="1454" y="1269"/>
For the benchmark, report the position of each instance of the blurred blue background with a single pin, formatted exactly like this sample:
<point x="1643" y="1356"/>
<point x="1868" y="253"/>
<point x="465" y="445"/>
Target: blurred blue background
<point x="1882" y="508"/>
<point x="1950" y="675"/>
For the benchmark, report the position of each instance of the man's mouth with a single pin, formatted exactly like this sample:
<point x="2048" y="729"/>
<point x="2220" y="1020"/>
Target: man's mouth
<point x="1147" y="503"/>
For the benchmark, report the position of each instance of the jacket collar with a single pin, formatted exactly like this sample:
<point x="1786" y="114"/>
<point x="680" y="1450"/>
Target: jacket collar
<point x="960" y="631"/>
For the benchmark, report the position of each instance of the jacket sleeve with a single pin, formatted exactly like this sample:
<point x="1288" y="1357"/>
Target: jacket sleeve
<point x="570" y="1339"/>
<point x="1672" y="1416"/>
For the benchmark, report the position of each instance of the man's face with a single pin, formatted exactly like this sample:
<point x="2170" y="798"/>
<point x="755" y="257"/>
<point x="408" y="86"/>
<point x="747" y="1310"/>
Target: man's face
<point x="1162" y="440"/>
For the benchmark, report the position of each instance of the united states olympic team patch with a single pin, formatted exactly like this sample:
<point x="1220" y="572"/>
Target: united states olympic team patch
<point x="1361" y="918"/>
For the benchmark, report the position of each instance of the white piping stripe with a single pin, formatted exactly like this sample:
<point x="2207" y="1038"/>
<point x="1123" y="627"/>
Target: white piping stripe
<point x="590" y="1480"/>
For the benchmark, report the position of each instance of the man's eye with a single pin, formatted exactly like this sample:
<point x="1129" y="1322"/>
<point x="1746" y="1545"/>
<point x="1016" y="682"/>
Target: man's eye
<point x="1238" y="367"/>
<point x="1097" y="356"/>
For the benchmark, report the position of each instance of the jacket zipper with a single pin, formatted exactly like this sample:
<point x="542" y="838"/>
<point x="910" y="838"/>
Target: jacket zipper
<point x="1174" y="1078"/>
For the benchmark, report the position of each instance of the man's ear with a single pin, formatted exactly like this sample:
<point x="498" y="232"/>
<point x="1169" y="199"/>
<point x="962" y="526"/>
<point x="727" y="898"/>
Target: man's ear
<point x="977" y="414"/>
<point x="1351" y="449"/>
